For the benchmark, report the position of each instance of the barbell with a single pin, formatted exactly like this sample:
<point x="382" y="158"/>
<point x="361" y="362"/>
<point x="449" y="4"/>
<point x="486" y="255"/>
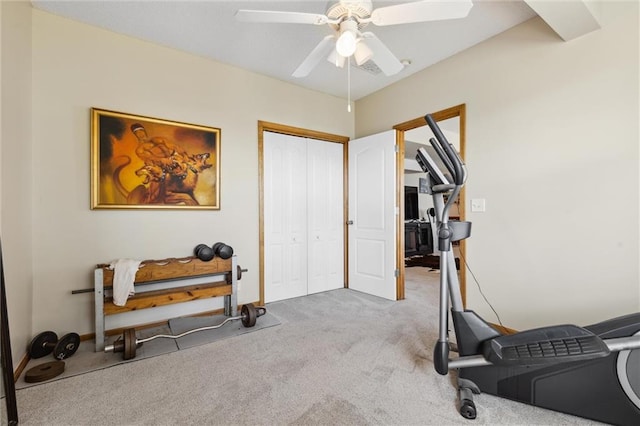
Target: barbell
<point x="128" y="343"/>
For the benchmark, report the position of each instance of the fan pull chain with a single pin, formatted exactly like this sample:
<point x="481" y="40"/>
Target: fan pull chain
<point x="348" y="84"/>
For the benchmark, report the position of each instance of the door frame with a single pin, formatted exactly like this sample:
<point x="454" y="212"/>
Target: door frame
<point x="445" y="114"/>
<point x="265" y="126"/>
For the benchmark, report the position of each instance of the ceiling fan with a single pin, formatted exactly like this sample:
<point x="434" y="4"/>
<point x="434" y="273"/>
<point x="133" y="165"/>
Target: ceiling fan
<point x="348" y="17"/>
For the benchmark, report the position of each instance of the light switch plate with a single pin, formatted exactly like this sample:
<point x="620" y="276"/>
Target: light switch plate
<point x="477" y="205"/>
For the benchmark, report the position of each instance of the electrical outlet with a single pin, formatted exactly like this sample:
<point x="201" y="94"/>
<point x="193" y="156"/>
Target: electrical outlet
<point x="477" y="205"/>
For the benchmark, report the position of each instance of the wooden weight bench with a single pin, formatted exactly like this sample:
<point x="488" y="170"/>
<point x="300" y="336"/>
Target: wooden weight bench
<point x="166" y="271"/>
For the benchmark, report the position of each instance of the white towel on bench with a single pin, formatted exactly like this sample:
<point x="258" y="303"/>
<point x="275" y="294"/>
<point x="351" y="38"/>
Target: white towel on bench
<point x="124" y="275"/>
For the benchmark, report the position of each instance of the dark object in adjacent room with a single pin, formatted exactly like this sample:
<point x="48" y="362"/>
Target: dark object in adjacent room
<point x="411" y="211"/>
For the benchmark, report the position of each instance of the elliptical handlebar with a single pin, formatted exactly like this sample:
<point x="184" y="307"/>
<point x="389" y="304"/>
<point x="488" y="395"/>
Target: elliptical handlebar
<point x="443" y="156"/>
<point x="451" y="156"/>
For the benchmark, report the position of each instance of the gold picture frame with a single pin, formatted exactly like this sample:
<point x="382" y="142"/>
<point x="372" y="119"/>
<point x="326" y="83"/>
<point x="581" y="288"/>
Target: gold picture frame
<point x="140" y="162"/>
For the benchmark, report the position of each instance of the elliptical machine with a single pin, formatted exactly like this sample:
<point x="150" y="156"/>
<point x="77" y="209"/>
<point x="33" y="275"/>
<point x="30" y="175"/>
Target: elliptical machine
<point x="591" y="372"/>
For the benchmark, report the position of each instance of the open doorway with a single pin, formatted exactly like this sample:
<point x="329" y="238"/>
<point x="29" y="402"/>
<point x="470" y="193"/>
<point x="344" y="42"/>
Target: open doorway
<point x="414" y="244"/>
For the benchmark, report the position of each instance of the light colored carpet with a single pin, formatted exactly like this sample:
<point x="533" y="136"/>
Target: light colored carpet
<point x="338" y="358"/>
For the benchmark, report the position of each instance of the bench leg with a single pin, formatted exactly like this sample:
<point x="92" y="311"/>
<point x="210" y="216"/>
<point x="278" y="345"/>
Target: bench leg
<point x="231" y="301"/>
<point x="99" y="308"/>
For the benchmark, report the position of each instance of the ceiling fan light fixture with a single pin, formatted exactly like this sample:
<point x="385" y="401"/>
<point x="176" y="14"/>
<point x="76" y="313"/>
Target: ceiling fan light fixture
<point x="346" y="44"/>
<point x="362" y="53"/>
<point x="336" y="59"/>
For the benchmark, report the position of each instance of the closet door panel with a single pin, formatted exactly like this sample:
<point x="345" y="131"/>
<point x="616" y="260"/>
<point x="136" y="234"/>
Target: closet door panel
<point x="325" y="213"/>
<point x="284" y="217"/>
<point x="274" y="229"/>
<point x="296" y="217"/>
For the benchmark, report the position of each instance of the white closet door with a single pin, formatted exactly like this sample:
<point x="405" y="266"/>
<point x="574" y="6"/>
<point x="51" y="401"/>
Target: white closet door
<point x="325" y="214"/>
<point x="372" y="212"/>
<point x="285" y="216"/>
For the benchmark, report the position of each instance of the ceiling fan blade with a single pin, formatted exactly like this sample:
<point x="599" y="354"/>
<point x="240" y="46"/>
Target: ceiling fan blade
<point x="319" y="52"/>
<point x="421" y="11"/>
<point x="268" y="16"/>
<point x="382" y="56"/>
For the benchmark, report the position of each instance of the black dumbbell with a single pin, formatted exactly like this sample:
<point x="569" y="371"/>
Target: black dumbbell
<point x="46" y="342"/>
<point x="222" y="250"/>
<point x="204" y="252"/>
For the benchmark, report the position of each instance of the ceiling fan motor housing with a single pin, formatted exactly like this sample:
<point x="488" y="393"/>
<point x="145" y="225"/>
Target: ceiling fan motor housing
<point x="359" y="9"/>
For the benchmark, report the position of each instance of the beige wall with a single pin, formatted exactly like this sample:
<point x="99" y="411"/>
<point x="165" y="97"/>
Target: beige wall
<point x="552" y="145"/>
<point x="77" y="67"/>
<point x="16" y="168"/>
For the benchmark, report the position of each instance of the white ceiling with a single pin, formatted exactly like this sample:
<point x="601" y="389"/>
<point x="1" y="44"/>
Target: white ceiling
<point x="209" y="29"/>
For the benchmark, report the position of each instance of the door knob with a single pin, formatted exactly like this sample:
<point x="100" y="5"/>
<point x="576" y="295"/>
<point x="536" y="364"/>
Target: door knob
<point x="349" y="222"/>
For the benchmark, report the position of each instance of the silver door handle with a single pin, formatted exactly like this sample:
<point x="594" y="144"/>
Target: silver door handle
<point x="349" y="222"/>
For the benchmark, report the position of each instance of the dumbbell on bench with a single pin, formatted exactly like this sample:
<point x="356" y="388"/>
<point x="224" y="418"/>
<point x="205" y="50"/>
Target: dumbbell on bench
<point x="222" y="250"/>
<point x="46" y="342"/>
<point x="128" y="344"/>
<point x="206" y="253"/>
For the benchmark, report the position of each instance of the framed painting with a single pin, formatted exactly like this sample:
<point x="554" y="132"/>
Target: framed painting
<point x="148" y="163"/>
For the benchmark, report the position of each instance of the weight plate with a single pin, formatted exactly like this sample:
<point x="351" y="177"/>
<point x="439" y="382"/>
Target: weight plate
<point x="248" y="313"/>
<point x="43" y="372"/>
<point x="225" y="251"/>
<point x="129" y="343"/>
<point x="217" y="247"/>
<point x="239" y="272"/>
<point x="42" y="344"/>
<point x="198" y="247"/>
<point x="67" y="346"/>
<point x="204" y="252"/>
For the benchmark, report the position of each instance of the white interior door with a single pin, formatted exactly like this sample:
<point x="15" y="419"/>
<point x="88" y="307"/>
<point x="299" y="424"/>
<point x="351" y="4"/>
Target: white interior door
<point x="325" y="215"/>
<point x="285" y="216"/>
<point x="372" y="215"/>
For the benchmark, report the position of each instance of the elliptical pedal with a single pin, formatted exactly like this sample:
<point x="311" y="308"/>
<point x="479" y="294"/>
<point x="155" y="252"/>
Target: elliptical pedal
<point x="561" y="343"/>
